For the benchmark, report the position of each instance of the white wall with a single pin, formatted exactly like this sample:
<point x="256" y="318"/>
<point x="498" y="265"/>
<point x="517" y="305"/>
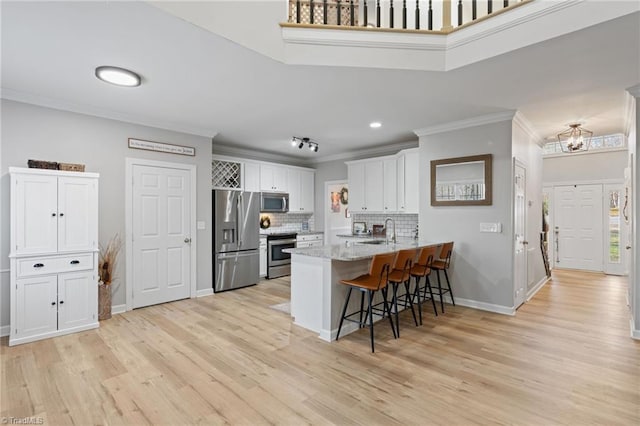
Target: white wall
<point x="32" y="132"/>
<point x="527" y="151"/>
<point x="482" y="262"/>
<point x="326" y="171"/>
<point x="583" y="167"/>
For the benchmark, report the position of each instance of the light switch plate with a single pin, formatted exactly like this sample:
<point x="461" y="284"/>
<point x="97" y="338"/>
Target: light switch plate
<point x="491" y="227"/>
<point x="200" y="224"/>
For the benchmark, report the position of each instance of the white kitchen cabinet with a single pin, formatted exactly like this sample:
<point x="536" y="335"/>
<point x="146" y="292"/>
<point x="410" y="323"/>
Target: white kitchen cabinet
<point x="263" y="256"/>
<point x="273" y="178"/>
<point x="301" y="190"/>
<point x="53" y="258"/>
<point x="408" y="181"/>
<point x="309" y="240"/>
<point x="252" y="177"/>
<point x="390" y="186"/>
<point x="366" y="191"/>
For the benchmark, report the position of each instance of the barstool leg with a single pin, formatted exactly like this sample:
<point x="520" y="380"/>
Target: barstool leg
<point x="449" y="285"/>
<point x="440" y="291"/>
<point x="395" y="304"/>
<point x="416" y="294"/>
<point x="433" y="301"/>
<point x="407" y="294"/>
<point x="344" y="311"/>
<point x="388" y="309"/>
<point x="361" y="309"/>
<point x="370" y="294"/>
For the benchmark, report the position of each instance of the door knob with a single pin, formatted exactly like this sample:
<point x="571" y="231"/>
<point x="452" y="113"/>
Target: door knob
<point x="525" y="242"/>
<point x="628" y="247"/>
<point x="187" y="240"/>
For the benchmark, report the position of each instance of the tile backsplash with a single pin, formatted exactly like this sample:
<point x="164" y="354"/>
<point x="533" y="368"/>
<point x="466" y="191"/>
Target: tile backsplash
<point x="289" y="222"/>
<point x="405" y="223"/>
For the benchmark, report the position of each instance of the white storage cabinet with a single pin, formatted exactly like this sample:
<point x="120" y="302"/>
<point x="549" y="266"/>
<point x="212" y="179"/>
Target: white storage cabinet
<point x="263" y="256"/>
<point x="309" y="240"/>
<point x="53" y="253"/>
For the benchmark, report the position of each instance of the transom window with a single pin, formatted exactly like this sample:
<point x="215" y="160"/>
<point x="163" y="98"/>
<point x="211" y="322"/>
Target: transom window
<point x="598" y="143"/>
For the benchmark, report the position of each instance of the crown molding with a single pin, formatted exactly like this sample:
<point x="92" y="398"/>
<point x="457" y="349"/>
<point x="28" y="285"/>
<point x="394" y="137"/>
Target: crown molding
<point x="43" y="101"/>
<point x="630" y="105"/>
<point x="463" y="124"/>
<point x="377" y="151"/>
<point x="526" y="125"/>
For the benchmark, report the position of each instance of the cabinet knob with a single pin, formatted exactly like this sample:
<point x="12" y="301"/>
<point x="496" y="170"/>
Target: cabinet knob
<point x="38" y="265"/>
<point x="61" y="214"/>
<point x="53" y="214"/>
<point x="61" y="302"/>
<point x="53" y="303"/>
<point x="74" y="262"/>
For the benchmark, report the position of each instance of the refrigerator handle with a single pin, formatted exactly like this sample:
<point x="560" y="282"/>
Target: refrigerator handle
<point x="239" y="223"/>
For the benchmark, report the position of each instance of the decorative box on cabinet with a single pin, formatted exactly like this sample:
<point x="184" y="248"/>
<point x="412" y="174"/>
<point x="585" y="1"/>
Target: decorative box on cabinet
<point x="54" y="253"/>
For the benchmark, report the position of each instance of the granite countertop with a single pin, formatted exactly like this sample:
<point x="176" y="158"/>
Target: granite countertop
<point x="364" y="235"/>
<point x="358" y="251"/>
<point x="264" y="232"/>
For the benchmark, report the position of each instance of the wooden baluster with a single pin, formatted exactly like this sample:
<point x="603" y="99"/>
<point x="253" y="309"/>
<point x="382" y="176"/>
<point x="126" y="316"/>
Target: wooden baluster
<point x="352" y="12"/>
<point x="446" y="15"/>
<point x="366" y="14"/>
<point x="390" y="13"/>
<point x="505" y="3"/>
<point x="474" y="9"/>
<point x="297" y="11"/>
<point x="404" y="14"/>
<point x="311" y="11"/>
<point x="490" y="7"/>
<point x="430" y="17"/>
<point x="459" y="12"/>
<point x="339" y="12"/>
<point x="324" y="11"/>
<point x="378" y="13"/>
<point x="417" y="14"/>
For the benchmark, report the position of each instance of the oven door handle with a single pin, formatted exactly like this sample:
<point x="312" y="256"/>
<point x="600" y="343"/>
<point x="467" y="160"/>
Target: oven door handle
<point x="280" y="242"/>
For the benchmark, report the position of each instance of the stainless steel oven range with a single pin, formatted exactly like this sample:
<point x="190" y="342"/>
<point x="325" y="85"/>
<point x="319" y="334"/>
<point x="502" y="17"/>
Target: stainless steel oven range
<point x="279" y="263"/>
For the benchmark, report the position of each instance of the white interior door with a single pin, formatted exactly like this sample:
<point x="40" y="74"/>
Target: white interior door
<point x="519" y="228"/>
<point x="578" y="227"/>
<point x="161" y="234"/>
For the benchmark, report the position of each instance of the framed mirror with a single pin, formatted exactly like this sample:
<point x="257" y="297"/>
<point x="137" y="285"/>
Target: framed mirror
<point x="461" y="181"/>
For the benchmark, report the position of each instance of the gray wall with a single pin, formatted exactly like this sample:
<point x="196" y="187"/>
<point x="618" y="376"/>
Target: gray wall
<point x="482" y="262"/>
<point x="582" y="167"/>
<point x="32" y="132"/>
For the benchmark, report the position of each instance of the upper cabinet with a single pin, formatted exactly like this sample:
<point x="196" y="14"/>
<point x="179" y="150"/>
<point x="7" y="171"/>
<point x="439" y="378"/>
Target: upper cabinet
<point x="54" y="213"/>
<point x="301" y="190"/>
<point x="273" y="178"/>
<point x="384" y="184"/>
<point x="252" y="177"/>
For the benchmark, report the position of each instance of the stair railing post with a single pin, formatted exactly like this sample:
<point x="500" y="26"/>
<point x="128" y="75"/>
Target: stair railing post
<point x="446" y="15"/>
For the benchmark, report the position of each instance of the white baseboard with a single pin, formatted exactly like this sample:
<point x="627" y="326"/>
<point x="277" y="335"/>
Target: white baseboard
<point x="483" y="306"/>
<point x="5" y="330"/>
<point x="118" y="309"/>
<point x="635" y="333"/>
<point x="204" y="292"/>
<point x="536" y="288"/>
<point x="347" y="328"/>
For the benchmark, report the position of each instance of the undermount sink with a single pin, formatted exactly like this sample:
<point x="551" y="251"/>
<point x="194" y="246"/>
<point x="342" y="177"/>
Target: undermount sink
<point x="372" y="242"/>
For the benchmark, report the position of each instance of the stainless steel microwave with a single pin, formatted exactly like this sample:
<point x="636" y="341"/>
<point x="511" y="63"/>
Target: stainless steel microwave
<point x="274" y="202"/>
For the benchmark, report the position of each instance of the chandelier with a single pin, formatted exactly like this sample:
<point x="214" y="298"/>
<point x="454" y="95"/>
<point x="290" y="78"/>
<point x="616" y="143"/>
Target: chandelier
<point x="575" y="139"/>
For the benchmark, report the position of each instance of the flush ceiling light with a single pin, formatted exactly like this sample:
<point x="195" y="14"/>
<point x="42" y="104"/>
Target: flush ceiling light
<point x="118" y="76"/>
<point x="575" y="139"/>
<point x="375" y="125"/>
<point x="299" y="142"/>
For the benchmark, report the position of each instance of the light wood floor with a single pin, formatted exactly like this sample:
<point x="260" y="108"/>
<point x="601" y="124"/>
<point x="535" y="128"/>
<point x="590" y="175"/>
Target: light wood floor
<point x="565" y="358"/>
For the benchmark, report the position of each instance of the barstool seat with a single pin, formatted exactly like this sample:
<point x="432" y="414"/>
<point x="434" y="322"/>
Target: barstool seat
<point x="375" y="280"/>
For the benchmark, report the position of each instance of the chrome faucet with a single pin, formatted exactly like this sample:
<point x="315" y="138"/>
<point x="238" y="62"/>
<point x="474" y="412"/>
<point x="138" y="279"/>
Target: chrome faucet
<point x="386" y="231"/>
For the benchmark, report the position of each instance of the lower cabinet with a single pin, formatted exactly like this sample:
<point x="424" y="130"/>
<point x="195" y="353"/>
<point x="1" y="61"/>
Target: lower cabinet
<point x="309" y="240"/>
<point x="55" y="304"/>
<point x="263" y="257"/>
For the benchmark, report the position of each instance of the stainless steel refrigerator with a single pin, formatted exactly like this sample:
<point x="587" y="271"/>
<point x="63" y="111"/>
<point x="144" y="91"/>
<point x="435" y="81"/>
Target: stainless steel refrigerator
<point x="236" y="239"/>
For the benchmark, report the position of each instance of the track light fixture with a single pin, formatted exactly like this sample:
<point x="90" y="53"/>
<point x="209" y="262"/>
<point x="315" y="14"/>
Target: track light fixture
<point x="299" y="142"/>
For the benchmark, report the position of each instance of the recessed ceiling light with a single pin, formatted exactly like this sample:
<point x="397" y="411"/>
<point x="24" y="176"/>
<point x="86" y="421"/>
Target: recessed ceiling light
<point x="118" y="76"/>
<point x="375" y="125"/>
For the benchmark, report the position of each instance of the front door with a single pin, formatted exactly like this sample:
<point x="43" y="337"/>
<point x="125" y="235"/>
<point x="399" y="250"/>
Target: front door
<point x="520" y="230"/>
<point x="578" y="227"/>
<point x="161" y="234"/>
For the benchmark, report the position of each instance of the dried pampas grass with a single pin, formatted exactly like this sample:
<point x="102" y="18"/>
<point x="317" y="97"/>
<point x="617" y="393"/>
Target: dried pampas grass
<point x="108" y="259"/>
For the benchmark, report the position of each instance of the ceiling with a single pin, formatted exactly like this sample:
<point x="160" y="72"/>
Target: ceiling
<point x="197" y="82"/>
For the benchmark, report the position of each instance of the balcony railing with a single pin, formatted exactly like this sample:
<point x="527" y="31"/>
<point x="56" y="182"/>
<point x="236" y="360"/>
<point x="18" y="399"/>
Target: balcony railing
<point x="422" y="15"/>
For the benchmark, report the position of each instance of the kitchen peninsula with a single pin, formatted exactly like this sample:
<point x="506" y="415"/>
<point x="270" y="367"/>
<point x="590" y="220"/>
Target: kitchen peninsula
<point x="317" y="296"/>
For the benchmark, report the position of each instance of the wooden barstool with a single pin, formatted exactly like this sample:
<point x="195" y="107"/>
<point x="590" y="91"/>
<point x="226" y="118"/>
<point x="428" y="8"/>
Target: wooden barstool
<point x="376" y="279"/>
<point x="422" y="269"/>
<point x="442" y="264"/>
<point x="401" y="273"/>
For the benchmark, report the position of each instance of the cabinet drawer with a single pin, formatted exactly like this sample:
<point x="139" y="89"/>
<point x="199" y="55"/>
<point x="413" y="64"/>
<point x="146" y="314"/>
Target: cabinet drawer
<point x="310" y="237"/>
<point x="52" y="265"/>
